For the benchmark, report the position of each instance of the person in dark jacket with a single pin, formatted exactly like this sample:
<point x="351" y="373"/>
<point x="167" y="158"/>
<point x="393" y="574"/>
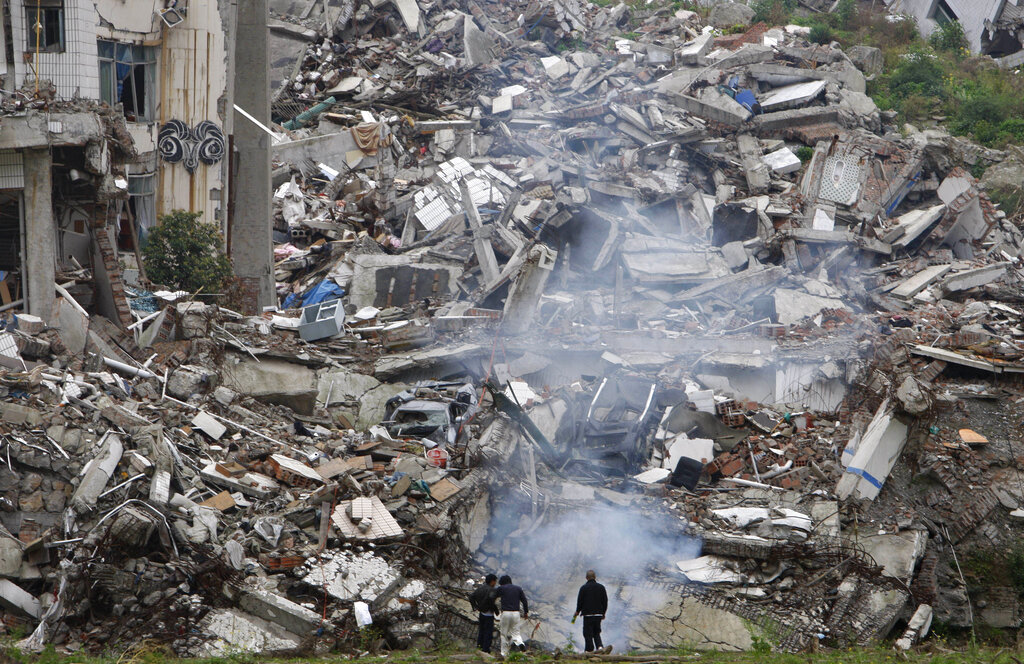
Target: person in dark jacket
<point x="592" y="604"/>
<point x="483" y="600"/>
<point x="510" y="597"/>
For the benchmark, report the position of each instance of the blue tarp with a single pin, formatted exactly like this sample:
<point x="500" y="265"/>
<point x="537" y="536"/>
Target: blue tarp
<point x="324" y="291"/>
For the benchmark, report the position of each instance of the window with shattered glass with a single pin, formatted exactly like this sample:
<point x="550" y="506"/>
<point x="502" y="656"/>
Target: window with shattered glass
<point x="128" y="77"/>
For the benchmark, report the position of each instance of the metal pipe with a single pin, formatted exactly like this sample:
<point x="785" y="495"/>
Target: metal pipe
<point x="16" y="303"/>
<point x="144" y="320"/>
<point x="127" y="368"/>
<point x="756" y="485"/>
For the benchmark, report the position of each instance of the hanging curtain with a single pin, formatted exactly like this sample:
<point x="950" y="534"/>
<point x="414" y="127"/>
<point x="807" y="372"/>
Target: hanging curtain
<point x="124" y="62"/>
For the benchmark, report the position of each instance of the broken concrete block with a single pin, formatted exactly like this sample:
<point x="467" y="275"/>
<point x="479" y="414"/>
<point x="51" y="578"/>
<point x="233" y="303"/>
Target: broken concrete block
<point x="728" y="14"/>
<point x="97" y="474"/>
<point x="272" y="381"/>
<point x="11" y="555"/>
<point x="735" y="255"/>
<point x="235" y="632"/>
<point x="917" y="628"/>
<point x="792" y="96"/>
<point x="918" y="282"/>
<point x="524" y="295"/>
<point x="189" y="380"/>
<point x="477" y="45"/>
<point x="194" y="320"/>
<point x="792" y="306"/>
<point x="897" y="553"/>
<point x="867" y="58"/>
<point x="912" y="395"/>
<point x="18" y="414"/>
<point x="876" y="453"/>
<point x="692" y="52"/>
<point x="15" y="598"/>
<point x="278" y="610"/>
<point x="967" y="279"/>
<point x="555" y="67"/>
<point x="209" y="425"/>
<point x="29" y="324"/>
<point x="783" y="161"/>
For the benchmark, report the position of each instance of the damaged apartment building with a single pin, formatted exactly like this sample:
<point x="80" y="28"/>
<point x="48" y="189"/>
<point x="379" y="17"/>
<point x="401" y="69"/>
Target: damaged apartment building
<point x="113" y="114"/>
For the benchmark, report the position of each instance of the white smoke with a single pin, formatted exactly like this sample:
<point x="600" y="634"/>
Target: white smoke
<point x="625" y="545"/>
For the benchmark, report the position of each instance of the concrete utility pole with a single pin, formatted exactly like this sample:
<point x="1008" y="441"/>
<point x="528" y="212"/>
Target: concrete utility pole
<point x="251" y="230"/>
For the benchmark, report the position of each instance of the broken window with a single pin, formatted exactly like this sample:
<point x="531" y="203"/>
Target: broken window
<point x="128" y="77"/>
<point x="44" y="23"/>
<point x="943" y="14"/>
<point x="10" y="246"/>
<point x="142" y="200"/>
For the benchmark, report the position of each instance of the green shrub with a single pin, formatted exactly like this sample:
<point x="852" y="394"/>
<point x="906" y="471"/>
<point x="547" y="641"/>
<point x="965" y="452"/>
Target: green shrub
<point x="846" y="13"/>
<point x="804" y="153"/>
<point x="918" y="72"/>
<point x="821" y="34"/>
<point x="185" y="253"/>
<point x="1009" y="200"/>
<point x="950" y="37"/>
<point x="773" y="12"/>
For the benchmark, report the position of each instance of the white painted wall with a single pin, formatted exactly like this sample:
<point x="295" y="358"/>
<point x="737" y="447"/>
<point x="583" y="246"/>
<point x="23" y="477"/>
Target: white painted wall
<point x="972" y="14"/>
<point x="192" y="78"/>
<point x="75" y="72"/>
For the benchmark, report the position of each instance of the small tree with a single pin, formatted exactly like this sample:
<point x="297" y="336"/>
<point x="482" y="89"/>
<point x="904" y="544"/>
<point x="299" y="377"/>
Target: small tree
<point x="184" y="253"/>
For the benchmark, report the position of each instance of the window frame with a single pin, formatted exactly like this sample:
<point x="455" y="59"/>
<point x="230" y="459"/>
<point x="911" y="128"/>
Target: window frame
<point x="142" y="191"/>
<point x="942" y="13"/>
<point x="112" y="53"/>
<point x="42" y="8"/>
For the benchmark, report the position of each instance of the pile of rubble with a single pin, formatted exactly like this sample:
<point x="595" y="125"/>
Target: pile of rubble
<point x="544" y="268"/>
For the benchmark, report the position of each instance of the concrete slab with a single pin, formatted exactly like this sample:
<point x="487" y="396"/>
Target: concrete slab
<point x="980" y="276"/>
<point x="917" y="283"/>
<point x="792" y="96"/>
<point x="898" y="554"/>
<point x="875" y="455"/>
<point x="272" y="381"/>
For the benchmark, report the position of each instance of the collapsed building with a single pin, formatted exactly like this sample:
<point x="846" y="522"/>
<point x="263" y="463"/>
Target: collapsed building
<point x="549" y="277"/>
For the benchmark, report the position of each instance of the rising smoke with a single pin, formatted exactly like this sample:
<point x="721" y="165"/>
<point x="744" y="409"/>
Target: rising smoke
<point x="626" y="545"/>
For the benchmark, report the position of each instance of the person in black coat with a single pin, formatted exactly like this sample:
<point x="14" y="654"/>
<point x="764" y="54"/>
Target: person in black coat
<point x="483" y="599"/>
<point x="592" y="604"/>
<point x="510" y="598"/>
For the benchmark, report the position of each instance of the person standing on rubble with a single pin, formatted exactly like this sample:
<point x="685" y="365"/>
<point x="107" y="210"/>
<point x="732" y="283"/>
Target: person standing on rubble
<point x="592" y="603"/>
<point x="483" y="600"/>
<point x="510" y="597"/>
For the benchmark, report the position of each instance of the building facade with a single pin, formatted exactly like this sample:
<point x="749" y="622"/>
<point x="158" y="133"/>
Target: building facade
<point x="157" y="77"/>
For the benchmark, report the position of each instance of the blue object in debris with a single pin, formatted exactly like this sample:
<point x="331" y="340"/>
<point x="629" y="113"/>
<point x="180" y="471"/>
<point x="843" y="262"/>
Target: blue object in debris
<point x="322" y="292"/>
<point x="746" y="98"/>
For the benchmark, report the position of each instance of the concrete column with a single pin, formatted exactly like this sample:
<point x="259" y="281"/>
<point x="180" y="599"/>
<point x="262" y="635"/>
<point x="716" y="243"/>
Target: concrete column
<point x="40" y="234"/>
<point x="251" y="229"/>
<point x="524" y="295"/>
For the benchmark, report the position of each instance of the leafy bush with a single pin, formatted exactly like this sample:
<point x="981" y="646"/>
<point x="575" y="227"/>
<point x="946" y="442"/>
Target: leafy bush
<point x="821" y="34"/>
<point x="919" y="72"/>
<point x="846" y="13"/>
<point x="804" y="153"/>
<point x="185" y="253"/>
<point x="773" y="12"/>
<point x="950" y="37"/>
